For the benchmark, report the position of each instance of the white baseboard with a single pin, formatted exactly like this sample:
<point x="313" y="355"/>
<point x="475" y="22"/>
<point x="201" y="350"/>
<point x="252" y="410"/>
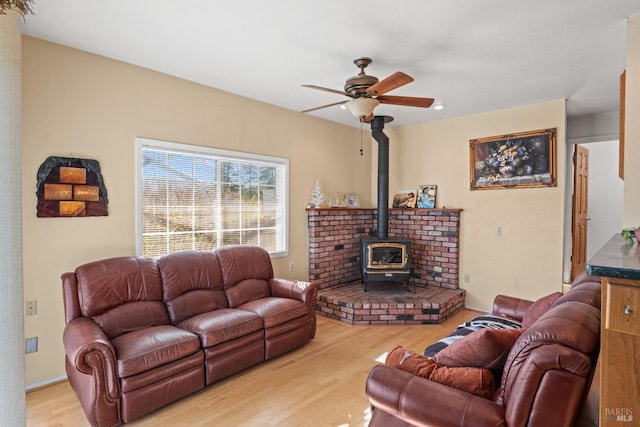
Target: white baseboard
<point x="45" y="382"/>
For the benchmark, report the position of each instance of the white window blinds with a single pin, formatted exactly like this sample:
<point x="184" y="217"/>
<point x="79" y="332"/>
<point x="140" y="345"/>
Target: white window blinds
<point x="200" y="198"/>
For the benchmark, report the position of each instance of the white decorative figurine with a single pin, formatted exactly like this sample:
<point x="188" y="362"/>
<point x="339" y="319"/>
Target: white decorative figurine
<point x="317" y="198"/>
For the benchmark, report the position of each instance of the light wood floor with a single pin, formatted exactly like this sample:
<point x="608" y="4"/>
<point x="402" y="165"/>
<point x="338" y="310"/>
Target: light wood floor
<point x="319" y="384"/>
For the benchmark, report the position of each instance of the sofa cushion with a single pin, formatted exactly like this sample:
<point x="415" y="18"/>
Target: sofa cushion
<point x="586" y="293"/>
<point x="246" y="271"/>
<point x="239" y="263"/>
<point x="192" y="284"/>
<point x="225" y="324"/>
<point x="484" y="348"/>
<point x="572" y="324"/>
<point x="126" y="318"/>
<point x="276" y="311"/>
<point x="195" y="302"/>
<point x="149" y="348"/>
<point x="585" y="278"/>
<point x="485" y="321"/>
<point x="121" y="294"/>
<point x="567" y="335"/>
<point x="538" y="308"/>
<point x="247" y="290"/>
<point x="478" y="381"/>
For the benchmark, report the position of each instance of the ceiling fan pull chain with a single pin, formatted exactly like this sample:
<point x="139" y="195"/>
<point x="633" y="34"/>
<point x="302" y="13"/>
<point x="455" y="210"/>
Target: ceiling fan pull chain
<point x="361" y="132"/>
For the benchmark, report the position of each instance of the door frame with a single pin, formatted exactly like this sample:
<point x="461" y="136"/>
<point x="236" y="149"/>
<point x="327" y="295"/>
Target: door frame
<point x="579" y="207"/>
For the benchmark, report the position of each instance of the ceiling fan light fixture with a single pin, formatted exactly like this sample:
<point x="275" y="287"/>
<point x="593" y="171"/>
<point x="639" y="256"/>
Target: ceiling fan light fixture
<point x="438" y="106"/>
<point x="362" y="107"/>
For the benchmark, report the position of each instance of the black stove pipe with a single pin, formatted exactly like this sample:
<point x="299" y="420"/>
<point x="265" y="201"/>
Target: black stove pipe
<point x="377" y="124"/>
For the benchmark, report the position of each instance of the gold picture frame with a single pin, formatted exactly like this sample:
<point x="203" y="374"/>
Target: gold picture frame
<point x="519" y="160"/>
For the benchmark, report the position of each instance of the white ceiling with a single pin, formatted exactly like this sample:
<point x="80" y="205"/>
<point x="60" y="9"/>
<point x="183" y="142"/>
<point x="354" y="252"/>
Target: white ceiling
<point x="471" y="56"/>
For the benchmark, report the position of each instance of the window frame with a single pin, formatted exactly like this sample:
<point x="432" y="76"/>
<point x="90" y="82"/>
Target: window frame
<point x="196" y="150"/>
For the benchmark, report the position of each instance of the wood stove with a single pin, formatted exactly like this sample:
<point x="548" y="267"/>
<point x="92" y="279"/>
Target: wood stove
<point x="385" y="260"/>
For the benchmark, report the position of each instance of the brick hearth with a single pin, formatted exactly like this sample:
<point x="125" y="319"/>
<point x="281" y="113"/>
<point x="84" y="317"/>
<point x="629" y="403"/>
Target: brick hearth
<point x="334" y="265"/>
<point x="387" y="303"/>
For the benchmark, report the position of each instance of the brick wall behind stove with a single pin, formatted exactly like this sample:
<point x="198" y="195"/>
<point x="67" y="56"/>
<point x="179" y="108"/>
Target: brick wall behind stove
<point x="334" y="243"/>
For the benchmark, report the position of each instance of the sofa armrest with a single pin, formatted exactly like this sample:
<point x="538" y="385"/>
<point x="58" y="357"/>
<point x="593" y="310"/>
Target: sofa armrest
<point x="295" y="289"/>
<point x="510" y="307"/>
<point x="306" y="292"/>
<point x="90" y="352"/>
<point x="421" y="402"/>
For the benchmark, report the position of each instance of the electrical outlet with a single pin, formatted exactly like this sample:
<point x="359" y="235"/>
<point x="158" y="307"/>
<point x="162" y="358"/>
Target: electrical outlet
<point x="31" y="308"/>
<point x="291" y="266"/>
<point x="498" y="231"/>
<point x="31" y="345"/>
<point x="467" y="278"/>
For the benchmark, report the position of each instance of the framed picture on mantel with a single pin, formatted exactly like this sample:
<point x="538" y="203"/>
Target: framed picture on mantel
<point x="352" y="201"/>
<point x="526" y="159"/>
<point x="404" y="198"/>
<point x="426" y="196"/>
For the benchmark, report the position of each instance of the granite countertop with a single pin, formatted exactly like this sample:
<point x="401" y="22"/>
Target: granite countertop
<point x="616" y="259"/>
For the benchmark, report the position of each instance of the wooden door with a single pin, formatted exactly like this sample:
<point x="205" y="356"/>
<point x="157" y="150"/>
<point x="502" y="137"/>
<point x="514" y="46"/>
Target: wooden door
<point x="580" y="212"/>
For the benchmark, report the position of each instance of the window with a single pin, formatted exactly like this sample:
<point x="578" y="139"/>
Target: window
<point x="200" y="198"/>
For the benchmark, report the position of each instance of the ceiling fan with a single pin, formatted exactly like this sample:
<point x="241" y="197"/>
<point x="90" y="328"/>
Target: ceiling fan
<point x="367" y="92"/>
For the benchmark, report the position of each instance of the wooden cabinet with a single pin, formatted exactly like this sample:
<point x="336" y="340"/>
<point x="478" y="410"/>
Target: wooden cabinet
<point x="619" y="265"/>
<point x="620" y="352"/>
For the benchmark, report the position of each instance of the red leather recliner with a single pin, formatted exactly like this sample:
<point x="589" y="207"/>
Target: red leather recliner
<point x="545" y="379"/>
<point x="123" y="356"/>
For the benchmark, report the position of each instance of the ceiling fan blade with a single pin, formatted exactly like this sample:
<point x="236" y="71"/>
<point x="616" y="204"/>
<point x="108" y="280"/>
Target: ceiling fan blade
<point x="339" y="92"/>
<point x="394" y="81"/>
<point x="409" y="101"/>
<point x="324" y="106"/>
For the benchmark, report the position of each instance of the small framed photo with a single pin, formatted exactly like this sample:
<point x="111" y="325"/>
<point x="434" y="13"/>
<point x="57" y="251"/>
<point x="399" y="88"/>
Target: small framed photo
<point x="352" y="201"/>
<point x="426" y="196"/>
<point x="404" y="199"/>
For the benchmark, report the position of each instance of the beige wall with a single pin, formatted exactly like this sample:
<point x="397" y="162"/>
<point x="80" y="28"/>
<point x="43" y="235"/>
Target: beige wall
<point x="631" y="214"/>
<point x="527" y="260"/>
<point x="81" y="105"/>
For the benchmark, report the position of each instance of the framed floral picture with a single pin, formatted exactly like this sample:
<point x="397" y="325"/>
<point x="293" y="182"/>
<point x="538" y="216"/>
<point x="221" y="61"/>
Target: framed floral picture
<point x="426" y="196"/>
<point x="526" y="159"/>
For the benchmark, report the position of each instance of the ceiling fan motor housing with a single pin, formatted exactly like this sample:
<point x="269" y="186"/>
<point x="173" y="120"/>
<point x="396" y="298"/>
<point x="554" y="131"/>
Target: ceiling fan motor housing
<point x="356" y="86"/>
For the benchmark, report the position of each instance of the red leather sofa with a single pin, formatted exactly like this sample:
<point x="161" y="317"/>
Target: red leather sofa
<point x="544" y="381"/>
<point x="142" y="333"/>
